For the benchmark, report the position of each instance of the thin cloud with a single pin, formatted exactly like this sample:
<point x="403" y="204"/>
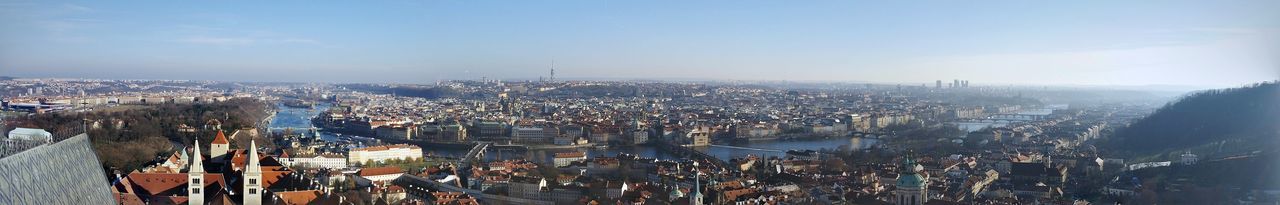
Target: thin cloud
<point x="223" y="36"/>
<point x="300" y="41"/>
<point x="75" y="7"/>
<point x="1218" y="62"/>
<point x="64" y="25"/>
<point x="69" y="30"/>
<point x="244" y="41"/>
<point x="218" y="41"/>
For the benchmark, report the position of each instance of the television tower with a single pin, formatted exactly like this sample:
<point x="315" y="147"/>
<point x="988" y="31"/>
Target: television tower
<point x="553" y="71"/>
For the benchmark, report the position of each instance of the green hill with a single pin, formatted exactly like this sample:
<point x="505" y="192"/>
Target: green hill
<point x="1213" y="123"/>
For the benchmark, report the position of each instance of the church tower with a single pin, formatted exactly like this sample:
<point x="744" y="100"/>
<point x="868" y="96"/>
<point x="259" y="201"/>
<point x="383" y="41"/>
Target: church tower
<point x="195" y="177"/>
<point x="912" y="187"/>
<point x="219" y="146"/>
<point x="252" y="177"/>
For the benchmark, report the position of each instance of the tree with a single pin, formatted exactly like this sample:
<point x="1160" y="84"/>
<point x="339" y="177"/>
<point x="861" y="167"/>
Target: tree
<point x="834" y="164"/>
<point x="549" y="172"/>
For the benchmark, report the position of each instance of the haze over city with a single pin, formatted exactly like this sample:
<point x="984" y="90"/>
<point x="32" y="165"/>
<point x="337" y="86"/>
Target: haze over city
<point x="690" y="102"/>
<point x="1203" y="44"/>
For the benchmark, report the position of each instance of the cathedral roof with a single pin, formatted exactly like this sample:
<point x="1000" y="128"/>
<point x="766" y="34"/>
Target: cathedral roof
<point x="908" y="176"/>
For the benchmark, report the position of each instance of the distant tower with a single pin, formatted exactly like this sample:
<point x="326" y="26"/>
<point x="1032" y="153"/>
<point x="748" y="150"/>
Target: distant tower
<point x="553" y="71"/>
<point x="252" y="177"/>
<point x="1189" y="159"/>
<point x="696" y="198"/>
<point x="939" y="84"/>
<point x="219" y="146"/>
<point x="195" y="177"/>
<point x="912" y="187"/>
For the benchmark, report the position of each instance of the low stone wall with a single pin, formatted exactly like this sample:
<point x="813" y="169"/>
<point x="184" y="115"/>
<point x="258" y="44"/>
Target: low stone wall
<point x="66" y="172"/>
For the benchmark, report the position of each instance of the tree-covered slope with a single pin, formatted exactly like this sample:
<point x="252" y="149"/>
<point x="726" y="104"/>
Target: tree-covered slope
<point x="1227" y="120"/>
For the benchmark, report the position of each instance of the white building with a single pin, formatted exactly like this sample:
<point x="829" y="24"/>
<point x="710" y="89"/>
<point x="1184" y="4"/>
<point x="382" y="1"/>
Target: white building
<point x="564" y="140"/>
<point x="315" y="161"/>
<point x="31" y="134"/>
<point x="1189" y="159"/>
<point x="639" y="136"/>
<point x="532" y="134"/>
<point x="384" y="153"/>
<point x="219" y="147"/>
<point x="565" y="158"/>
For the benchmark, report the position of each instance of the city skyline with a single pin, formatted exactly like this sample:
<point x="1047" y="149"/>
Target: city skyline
<point x="1196" y="44"/>
<point x="639" y="102"/>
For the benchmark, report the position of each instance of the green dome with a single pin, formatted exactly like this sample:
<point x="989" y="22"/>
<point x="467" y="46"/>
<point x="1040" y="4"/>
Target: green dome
<point x="908" y="177"/>
<point x="910" y="180"/>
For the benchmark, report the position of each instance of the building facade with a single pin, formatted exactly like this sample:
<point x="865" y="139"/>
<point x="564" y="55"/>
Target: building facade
<point x="383" y="153"/>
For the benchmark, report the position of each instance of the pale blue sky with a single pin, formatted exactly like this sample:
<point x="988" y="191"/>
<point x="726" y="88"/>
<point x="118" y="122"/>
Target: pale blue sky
<point x="1218" y="43"/>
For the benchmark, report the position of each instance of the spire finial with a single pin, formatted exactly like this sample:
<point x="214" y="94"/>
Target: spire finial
<point x="196" y="163"/>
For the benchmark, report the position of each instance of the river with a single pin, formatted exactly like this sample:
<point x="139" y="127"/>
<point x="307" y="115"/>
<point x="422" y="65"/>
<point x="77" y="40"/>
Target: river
<point x="299" y="119"/>
<point x="758" y="148"/>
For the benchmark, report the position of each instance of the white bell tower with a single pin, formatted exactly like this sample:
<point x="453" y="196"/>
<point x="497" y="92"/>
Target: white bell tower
<point x="195" y="177"/>
<point x="252" y="177"/>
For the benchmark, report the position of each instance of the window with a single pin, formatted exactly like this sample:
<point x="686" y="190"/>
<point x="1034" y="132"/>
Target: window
<point x="253" y="191"/>
<point x="253" y="181"/>
<point x="195" y="190"/>
<point x="195" y="180"/>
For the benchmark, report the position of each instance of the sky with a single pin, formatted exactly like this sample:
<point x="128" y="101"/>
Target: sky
<point x="1199" y="43"/>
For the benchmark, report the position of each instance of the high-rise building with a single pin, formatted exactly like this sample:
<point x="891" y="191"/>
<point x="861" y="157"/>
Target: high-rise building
<point x="939" y="84"/>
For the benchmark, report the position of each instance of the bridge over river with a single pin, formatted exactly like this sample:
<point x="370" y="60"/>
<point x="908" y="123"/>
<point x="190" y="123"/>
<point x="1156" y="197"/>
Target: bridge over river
<point x="749" y="148"/>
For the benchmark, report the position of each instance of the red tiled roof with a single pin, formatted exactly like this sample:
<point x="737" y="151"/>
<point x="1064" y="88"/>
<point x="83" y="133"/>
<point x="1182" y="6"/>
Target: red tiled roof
<point x="157" y="183"/>
<point x="571" y="154"/>
<point x="221" y="199"/>
<point x="734" y="194"/>
<point x="375" y="171"/>
<point x="220" y="139"/>
<point x="298" y="197"/>
<point x="268" y="163"/>
<point x="386" y="147"/>
<point x="160" y="184"/>
<point x="269" y="178"/>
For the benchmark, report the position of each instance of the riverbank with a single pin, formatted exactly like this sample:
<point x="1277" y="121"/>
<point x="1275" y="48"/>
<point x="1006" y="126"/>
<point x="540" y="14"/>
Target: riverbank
<point x="300" y="118"/>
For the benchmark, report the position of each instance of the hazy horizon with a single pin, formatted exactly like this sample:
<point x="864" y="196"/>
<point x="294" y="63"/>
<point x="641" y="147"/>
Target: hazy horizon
<point x="1102" y="43"/>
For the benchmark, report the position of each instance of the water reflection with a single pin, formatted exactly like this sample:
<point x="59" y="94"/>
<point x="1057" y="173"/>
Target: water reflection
<point x="299" y="119"/>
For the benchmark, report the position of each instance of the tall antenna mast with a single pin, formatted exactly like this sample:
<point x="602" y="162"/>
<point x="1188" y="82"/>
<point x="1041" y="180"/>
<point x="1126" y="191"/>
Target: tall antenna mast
<point x="553" y="70"/>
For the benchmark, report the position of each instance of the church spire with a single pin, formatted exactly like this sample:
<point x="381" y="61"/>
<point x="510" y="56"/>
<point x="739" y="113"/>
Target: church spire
<point x="253" y="177"/>
<point x="196" y="166"/>
<point x="908" y="164"/>
<point x="195" y="176"/>
<point x="252" y="164"/>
